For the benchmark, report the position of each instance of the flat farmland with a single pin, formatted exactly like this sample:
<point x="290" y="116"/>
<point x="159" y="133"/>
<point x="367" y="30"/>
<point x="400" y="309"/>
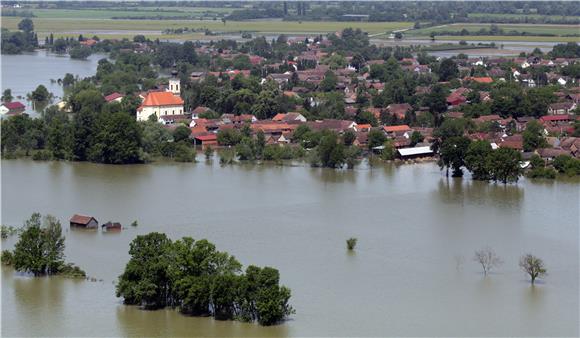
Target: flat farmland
<point x="527" y="28"/>
<point x="84" y="25"/>
<point x="527" y="38"/>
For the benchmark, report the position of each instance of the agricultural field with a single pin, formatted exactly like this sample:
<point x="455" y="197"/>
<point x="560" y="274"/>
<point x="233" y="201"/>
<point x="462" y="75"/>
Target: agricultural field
<point x="520" y="16"/>
<point x="128" y="12"/>
<point x="82" y="25"/>
<point x="510" y="38"/>
<point x="528" y="28"/>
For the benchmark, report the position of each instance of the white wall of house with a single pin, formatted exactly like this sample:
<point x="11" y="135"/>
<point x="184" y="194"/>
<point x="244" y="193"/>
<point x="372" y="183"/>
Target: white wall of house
<point x="145" y="112"/>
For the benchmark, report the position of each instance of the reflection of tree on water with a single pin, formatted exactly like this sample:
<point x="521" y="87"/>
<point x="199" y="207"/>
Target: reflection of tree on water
<point x="169" y="322"/>
<point x="34" y="297"/>
<point x="326" y="175"/>
<point x="458" y="190"/>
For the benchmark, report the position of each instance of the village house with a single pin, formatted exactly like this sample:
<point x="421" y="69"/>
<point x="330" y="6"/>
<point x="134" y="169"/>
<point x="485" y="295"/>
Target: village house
<point x="83" y="221"/>
<point x="457" y="97"/>
<point x="114" y="97"/>
<point x="288" y="117"/>
<point x="336" y="125"/>
<point x="12" y="108"/>
<point x="395" y="131"/>
<point x="238" y="119"/>
<point x="206" y="140"/>
<point x="561" y="108"/>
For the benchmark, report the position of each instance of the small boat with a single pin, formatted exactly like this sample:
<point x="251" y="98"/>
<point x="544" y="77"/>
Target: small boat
<point x="109" y="226"/>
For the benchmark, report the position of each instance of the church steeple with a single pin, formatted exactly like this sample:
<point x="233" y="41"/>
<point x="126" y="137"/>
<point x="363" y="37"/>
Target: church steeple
<point x="174" y="82"/>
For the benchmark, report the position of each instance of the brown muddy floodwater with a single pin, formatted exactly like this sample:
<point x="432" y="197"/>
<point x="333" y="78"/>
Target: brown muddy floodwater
<point x="404" y="278"/>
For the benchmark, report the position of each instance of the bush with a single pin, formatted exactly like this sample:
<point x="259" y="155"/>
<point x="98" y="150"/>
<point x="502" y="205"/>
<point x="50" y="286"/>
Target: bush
<point x="7" y="257"/>
<point x="183" y="153"/>
<point x="80" y="52"/>
<point x="72" y="271"/>
<point x="42" y="155"/>
<point x="548" y="173"/>
<point x="227" y="157"/>
<point x="7" y="230"/>
<point x="351" y="243"/>
<point x="208" y="152"/>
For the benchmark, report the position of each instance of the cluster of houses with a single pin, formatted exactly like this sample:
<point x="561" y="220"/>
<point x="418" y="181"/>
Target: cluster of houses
<point x="167" y="107"/>
<point x="558" y="121"/>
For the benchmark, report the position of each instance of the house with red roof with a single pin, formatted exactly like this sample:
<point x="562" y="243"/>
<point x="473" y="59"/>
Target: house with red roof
<point x="89" y="42"/>
<point x="457" y="97"/>
<point x="484" y="79"/>
<point x="394" y="131"/>
<point x="114" y="97"/>
<point x="292" y="116"/>
<point x="83" y="221"/>
<point x="208" y="139"/>
<point x="12" y="108"/>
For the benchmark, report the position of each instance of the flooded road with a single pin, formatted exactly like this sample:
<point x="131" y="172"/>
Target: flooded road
<point x="412" y="273"/>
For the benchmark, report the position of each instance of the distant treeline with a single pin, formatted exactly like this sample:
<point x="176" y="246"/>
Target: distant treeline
<point x="14" y="12"/>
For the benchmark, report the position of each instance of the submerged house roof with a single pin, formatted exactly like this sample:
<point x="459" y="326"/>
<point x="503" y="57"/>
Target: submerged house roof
<point x="82" y="219"/>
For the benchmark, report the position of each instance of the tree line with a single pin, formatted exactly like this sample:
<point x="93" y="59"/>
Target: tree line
<point x="194" y="277"/>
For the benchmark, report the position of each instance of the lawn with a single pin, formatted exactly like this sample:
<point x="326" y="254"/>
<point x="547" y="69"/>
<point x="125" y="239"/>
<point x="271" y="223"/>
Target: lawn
<point x="87" y="26"/>
<point x="529" y="28"/>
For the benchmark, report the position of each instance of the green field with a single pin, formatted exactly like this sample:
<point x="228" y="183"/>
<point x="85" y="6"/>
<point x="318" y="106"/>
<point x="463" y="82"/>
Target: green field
<point x="518" y="16"/>
<point x="528" y="28"/>
<point x="510" y="38"/>
<point x="111" y="13"/>
<point x="87" y="26"/>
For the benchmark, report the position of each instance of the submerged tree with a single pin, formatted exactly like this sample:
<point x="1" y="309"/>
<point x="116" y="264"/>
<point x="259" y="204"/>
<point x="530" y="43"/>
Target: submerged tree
<point x="40" y="248"/>
<point x="488" y="259"/>
<point x="351" y="243"/>
<point x="533" y="266"/>
<point x="201" y="281"/>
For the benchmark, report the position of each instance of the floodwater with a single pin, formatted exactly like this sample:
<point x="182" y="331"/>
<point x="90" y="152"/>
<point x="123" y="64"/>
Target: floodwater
<point x="411" y="274"/>
<point x="23" y="73"/>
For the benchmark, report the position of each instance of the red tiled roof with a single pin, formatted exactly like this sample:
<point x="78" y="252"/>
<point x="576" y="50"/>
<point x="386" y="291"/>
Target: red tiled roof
<point x="113" y="96"/>
<point x="13" y="105"/>
<point x="155" y="99"/>
<point x="278" y="117"/>
<point x="561" y="117"/>
<point x="480" y="79"/>
<point x="390" y="129"/>
<point x="208" y="137"/>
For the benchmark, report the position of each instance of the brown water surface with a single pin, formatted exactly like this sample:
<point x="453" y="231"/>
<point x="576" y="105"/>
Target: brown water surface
<point x="402" y="280"/>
